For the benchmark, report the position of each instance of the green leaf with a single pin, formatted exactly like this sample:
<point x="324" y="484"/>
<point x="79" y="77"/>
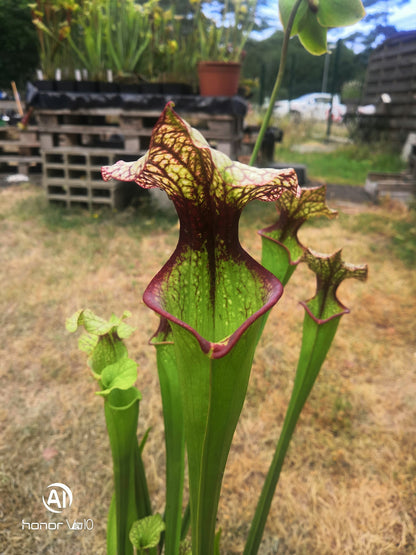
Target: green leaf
<point x="72" y="322"/>
<point x="339" y="13"/>
<point x="313" y="36"/>
<point x="121" y="375"/>
<point x="124" y="330"/>
<point x="94" y="324"/>
<point x="285" y="9"/>
<point x="87" y="343"/>
<point x="213" y="391"/>
<point x="107" y="351"/>
<point x="117" y="373"/>
<point x="315" y="17"/>
<point x="145" y="533"/>
<point x="103" y="342"/>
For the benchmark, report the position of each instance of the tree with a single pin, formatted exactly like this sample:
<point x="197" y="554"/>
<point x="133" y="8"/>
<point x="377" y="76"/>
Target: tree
<point x="304" y="72"/>
<point x="18" y="43"/>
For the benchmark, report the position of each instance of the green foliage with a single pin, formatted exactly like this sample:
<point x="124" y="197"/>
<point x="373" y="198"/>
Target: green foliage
<point x="170" y="391"/>
<point x="223" y="37"/>
<point x="404" y="238"/>
<point x="347" y="165"/>
<point x="116" y="374"/>
<point x="212" y="299"/>
<point x="18" y="44"/>
<point x="315" y="17"/>
<point x="52" y="21"/>
<point x="399" y="235"/>
<point x="107" y="354"/>
<point x="304" y="71"/>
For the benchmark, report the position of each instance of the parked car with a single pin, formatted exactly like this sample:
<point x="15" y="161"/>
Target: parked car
<point x="312" y="106"/>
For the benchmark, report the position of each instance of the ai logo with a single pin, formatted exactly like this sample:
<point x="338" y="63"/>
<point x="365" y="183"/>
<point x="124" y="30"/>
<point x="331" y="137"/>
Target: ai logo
<point x="60" y="498"/>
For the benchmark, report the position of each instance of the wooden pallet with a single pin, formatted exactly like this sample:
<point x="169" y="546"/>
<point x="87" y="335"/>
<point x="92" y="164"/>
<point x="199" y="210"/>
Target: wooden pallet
<point x="72" y="177"/>
<point x="399" y="186"/>
<point x="19" y="149"/>
<point x="101" y="127"/>
<point x="76" y="143"/>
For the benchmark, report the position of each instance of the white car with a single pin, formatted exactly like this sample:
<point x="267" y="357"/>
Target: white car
<point x="312" y="106"/>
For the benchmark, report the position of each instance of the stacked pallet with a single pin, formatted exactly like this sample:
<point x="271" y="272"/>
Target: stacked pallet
<point x="76" y="143"/>
<point x="398" y="186"/>
<point x="72" y="178"/>
<point x="19" y="149"/>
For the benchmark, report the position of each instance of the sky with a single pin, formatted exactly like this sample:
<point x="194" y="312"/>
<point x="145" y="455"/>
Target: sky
<point x="403" y="18"/>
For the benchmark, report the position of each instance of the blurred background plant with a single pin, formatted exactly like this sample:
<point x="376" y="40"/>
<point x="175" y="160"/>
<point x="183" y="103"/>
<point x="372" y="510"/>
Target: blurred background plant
<point x="53" y="20"/>
<point x="150" y="40"/>
<point x="86" y="38"/>
<point x="172" y="52"/>
<point x="224" y="34"/>
<point x="112" y="35"/>
<point x="128" y="35"/>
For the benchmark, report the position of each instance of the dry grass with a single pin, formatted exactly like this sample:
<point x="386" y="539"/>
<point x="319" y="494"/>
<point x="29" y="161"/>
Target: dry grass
<point x="349" y="482"/>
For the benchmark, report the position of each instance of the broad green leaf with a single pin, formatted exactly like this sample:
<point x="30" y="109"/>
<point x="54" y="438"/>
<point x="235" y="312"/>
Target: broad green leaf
<point x="285" y="9"/>
<point x="315" y="17"/>
<point x="145" y="533"/>
<point x="94" y="324"/>
<point x="213" y="391"/>
<point x="340" y="13"/>
<point x="313" y="35"/>
<point x="120" y="375"/>
<point x="124" y="330"/>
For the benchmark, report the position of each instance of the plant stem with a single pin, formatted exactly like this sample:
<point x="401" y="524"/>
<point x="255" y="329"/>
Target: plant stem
<point x="316" y="340"/>
<point x="175" y="443"/>
<point x="277" y="83"/>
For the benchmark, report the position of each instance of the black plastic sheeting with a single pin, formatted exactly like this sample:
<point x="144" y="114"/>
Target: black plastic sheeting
<point x="61" y="100"/>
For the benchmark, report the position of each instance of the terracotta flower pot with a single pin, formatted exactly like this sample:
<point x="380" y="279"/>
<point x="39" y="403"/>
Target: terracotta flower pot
<point x="218" y="78"/>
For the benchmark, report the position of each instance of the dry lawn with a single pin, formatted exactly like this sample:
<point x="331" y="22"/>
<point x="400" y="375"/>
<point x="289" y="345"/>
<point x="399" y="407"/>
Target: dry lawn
<point x="349" y="482"/>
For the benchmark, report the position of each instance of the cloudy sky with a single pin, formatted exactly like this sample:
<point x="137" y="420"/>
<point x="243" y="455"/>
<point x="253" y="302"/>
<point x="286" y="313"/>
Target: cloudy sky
<point x="403" y="18"/>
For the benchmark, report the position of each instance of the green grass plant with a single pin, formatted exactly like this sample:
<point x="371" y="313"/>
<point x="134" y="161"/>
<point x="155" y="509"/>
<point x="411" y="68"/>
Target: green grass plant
<point x="346" y="165"/>
<point x="399" y="234"/>
<point x="404" y="238"/>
